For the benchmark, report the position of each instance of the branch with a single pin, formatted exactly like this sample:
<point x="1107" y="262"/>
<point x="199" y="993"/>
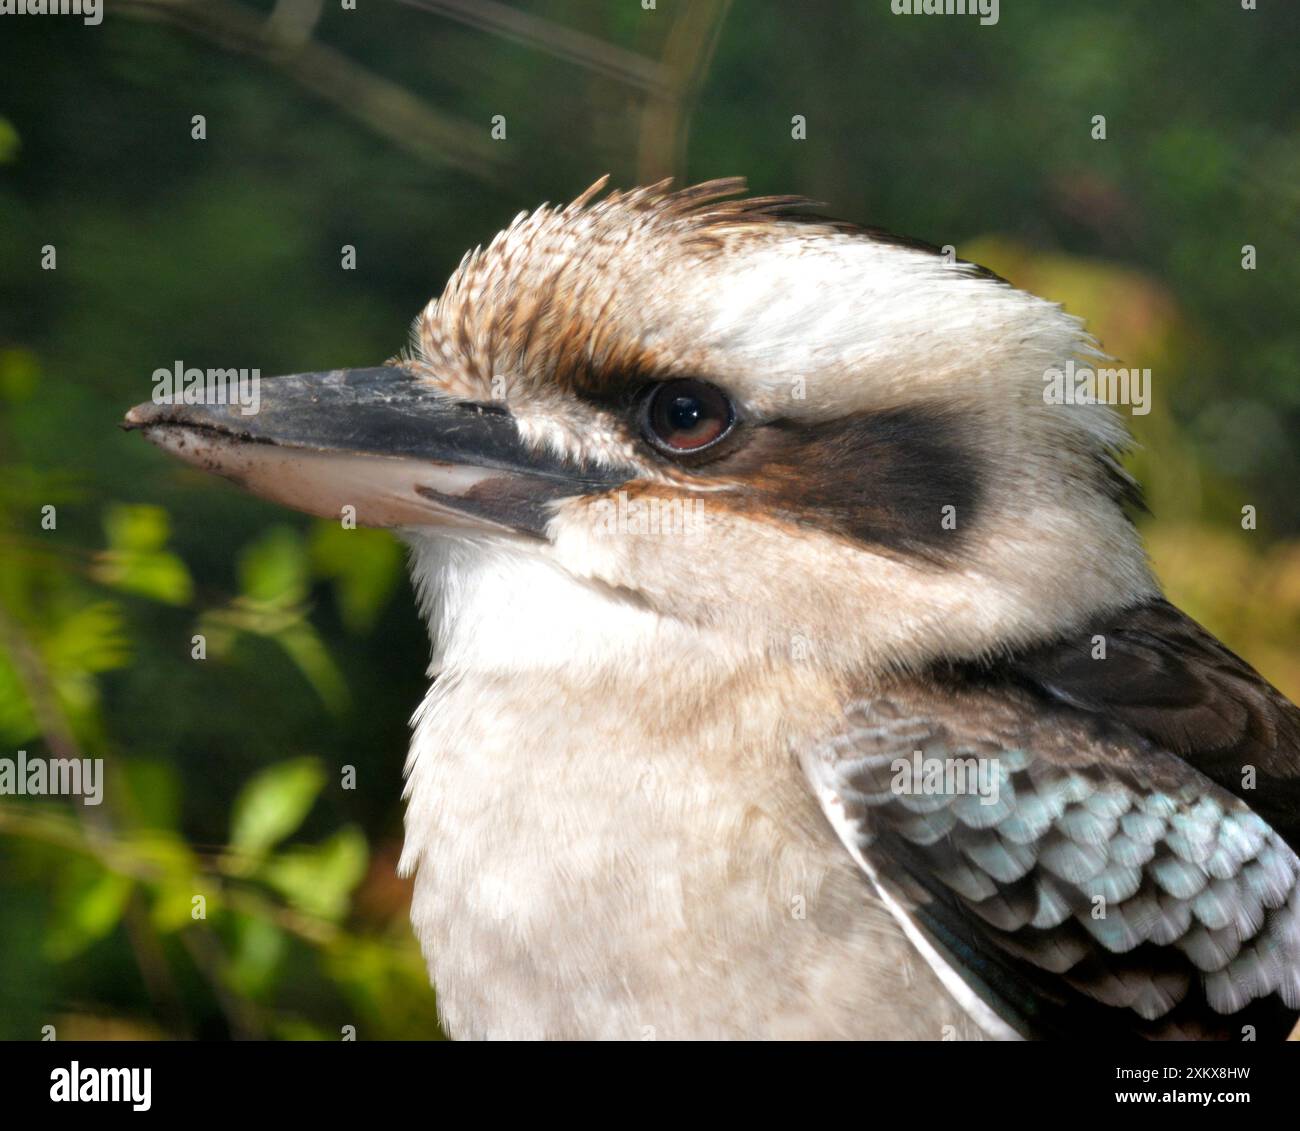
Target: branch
<point x="666" y="121"/>
<point x="586" y="51"/>
<point x="383" y="107"/>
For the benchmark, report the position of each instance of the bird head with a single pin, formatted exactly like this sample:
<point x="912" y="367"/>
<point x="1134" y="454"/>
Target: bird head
<point x="785" y="433"/>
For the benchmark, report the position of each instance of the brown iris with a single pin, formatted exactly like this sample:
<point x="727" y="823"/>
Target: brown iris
<point x="687" y="416"/>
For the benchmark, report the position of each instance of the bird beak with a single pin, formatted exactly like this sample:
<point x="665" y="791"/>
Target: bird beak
<point x="379" y="441"/>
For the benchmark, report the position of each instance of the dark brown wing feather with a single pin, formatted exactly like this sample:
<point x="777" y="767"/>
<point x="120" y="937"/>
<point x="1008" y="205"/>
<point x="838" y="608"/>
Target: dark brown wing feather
<point x="1121" y="788"/>
<point x="1167" y="679"/>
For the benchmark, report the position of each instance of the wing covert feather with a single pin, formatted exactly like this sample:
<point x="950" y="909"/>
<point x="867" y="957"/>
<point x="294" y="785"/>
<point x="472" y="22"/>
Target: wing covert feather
<point x="1100" y="885"/>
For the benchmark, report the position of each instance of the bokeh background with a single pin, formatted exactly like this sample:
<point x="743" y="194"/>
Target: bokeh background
<point x="372" y="128"/>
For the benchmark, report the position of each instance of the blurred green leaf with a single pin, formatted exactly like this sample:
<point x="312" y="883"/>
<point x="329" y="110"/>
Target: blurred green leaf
<point x="176" y="878"/>
<point x="136" y="562"/>
<point x="10" y="143"/>
<point x="136" y="526"/>
<point x="289" y="628"/>
<point x="88" y="904"/>
<point x="257" y="951"/>
<point x="17" y="722"/>
<point x="173" y="904"/>
<point x="319" y="879"/>
<point x="273" y="804"/>
<point x="304" y="646"/>
<point x="365" y="566"/>
<point x="298" y="1029"/>
<point x="387" y="984"/>
<point x="220" y="630"/>
<point x="274" y="568"/>
<point x="87" y="639"/>
<point x="19" y="369"/>
<point x="273" y="574"/>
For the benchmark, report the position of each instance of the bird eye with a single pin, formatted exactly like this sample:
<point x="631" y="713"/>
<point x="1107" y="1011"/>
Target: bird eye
<point x="687" y="416"/>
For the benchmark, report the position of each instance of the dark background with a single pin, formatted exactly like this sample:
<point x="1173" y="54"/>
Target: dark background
<point x="371" y="128"/>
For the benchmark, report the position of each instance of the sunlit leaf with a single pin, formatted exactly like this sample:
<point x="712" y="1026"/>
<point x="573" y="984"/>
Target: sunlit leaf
<point x="161" y="576"/>
<point x="173" y="904"/>
<point x="136" y="526"/>
<point x="164" y="852"/>
<point x="88" y="905"/>
<point x="274" y="568"/>
<point x="135" y="560"/>
<point x="320" y="878"/>
<point x="273" y="804"/>
<point x="87" y="639"/>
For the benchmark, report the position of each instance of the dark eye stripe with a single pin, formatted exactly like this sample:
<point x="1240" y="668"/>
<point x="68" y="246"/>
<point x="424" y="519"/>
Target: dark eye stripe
<point x="883" y="479"/>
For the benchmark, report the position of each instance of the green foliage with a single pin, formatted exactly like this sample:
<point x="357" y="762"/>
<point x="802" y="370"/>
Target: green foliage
<point x="88" y="902"/>
<point x="320" y="879"/>
<point x="273" y="574"/>
<point x="9" y="142"/>
<point x="273" y="805"/>
<point x="136" y="561"/>
<point x="363" y="564"/>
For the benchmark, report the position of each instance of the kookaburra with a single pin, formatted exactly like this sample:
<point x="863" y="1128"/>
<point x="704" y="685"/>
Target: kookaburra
<point x="797" y="671"/>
